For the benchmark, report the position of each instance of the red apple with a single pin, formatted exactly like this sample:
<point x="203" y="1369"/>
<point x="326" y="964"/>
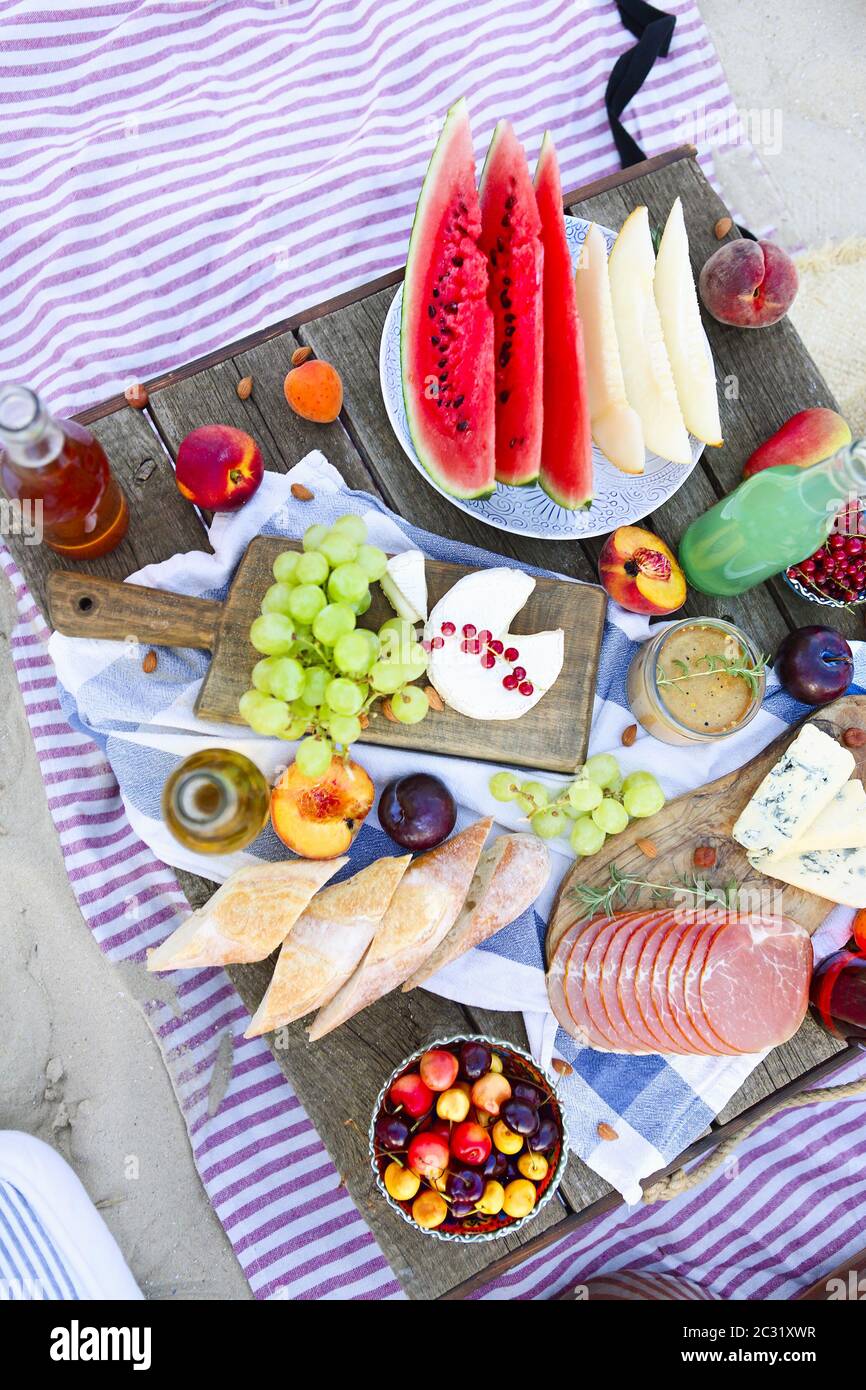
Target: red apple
<point x="410" y="1092"/>
<point x="749" y="284"/>
<point x="218" y="468"/>
<point x="807" y="438"/>
<point x="640" y="573"/>
<point x="470" y="1143"/>
<point x="428" y="1155"/>
<point x="438" y="1069"/>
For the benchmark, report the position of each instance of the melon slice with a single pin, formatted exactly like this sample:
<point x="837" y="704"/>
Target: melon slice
<point x="677" y="302"/>
<point x="616" y="428"/>
<point x="446" y="332"/>
<point x="511" y="240"/>
<point x="649" y="382"/>
<point x="566" y="443"/>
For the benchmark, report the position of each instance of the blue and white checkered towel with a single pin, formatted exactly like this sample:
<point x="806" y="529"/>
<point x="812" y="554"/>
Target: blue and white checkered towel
<point x="656" y="1105"/>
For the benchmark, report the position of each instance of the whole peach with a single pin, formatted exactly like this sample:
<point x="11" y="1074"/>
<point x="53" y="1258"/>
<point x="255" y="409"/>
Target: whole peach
<point x="749" y="284"/>
<point x="218" y="467"/>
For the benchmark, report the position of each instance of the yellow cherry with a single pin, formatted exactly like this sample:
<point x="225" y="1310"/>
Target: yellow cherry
<point x="533" y="1166"/>
<point x="492" y="1198"/>
<point x="452" y="1104"/>
<point x="430" y="1210"/>
<point x="400" y="1182"/>
<point x="506" y="1141"/>
<point x="519" y="1198"/>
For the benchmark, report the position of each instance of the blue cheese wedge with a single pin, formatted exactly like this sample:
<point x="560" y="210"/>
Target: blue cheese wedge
<point x="841" y="825"/>
<point x="810" y="773"/>
<point x="839" y="875"/>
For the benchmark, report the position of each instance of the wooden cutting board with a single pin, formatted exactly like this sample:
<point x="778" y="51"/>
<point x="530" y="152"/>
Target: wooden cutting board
<point x="552" y="736"/>
<point x="707" y="817"/>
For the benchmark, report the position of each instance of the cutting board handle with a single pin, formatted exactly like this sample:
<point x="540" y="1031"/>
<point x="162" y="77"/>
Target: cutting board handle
<point x="80" y="605"/>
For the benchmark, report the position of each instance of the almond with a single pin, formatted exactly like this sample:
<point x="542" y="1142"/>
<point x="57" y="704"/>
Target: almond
<point x="606" y="1131"/>
<point x="629" y="735"/>
<point x="388" y="712"/>
<point x="300" y="355"/>
<point x="561" y="1068"/>
<point x="150" y="661"/>
<point x="722" y="227"/>
<point x="301" y="493"/>
<point x="854" y="737"/>
<point x="244" y="387"/>
<point x="704" y="857"/>
<point x="364" y="721"/>
<point x="434" y="699"/>
<point x="647" y="847"/>
<point x="136" y="396"/>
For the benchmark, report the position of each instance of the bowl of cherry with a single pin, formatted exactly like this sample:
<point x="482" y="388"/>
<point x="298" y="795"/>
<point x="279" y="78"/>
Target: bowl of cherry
<point x="836" y="574"/>
<point x="468" y="1140"/>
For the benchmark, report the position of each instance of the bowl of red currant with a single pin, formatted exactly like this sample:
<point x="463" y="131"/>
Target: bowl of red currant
<point x="468" y="1139"/>
<point x="836" y="574"/>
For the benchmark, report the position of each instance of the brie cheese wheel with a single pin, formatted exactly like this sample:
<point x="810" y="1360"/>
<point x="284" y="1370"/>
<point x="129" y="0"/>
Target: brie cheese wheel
<point x="488" y="600"/>
<point x="810" y="773"/>
<point x="404" y="585"/>
<point x="841" y="825"/>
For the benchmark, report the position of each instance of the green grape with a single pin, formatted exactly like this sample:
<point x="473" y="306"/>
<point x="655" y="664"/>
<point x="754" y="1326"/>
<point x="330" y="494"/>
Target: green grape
<point x="344" y="696"/>
<point x="503" y="786"/>
<point x="262" y="673"/>
<point x="547" y="824"/>
<point x="533" y="796"/>
<point x="410" y="705"/>
<point x="338" y="548"/>
<point x="314" y="757"/>
<point x="314" y="535"/>
<point x="272" y="634"/>
<point x="285" y="677"/>
<point x="316" y="681"/>
<point x="353" y="653"/>
<point x="312" y="568"/>
<point x="602" y="768"/>
<point x="584" y="795"/>
<point x="285" y="566"/>
<point x="263" y="714"/>
<point x="361" y="607"/>
<point x="353" y="526"/>
<point x="397" y="637"/>
<point x="344" y="728"/>
<point x="323" y="718"/>
<point x="387" y="676"/>
<point x="277" y="598"/>
<point x="586" y="837"/>
<point x="332" y="622"/>
<point x="415" y="662"/>
<point x="347" y="584"/>
<point x="296" y="727"/>
<point x="610" y="816"/>
<point x="301" y="710"/>
<point x="307" y="603"/>
<point x="373" y="561"/>
<point x="642" y="795"/>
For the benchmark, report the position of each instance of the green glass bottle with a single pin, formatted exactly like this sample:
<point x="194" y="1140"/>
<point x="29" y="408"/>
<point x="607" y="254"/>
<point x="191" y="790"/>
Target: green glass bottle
<point x="771" y="521"/>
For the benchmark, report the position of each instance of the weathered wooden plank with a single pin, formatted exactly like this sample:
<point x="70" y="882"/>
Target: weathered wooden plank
<point x="161" y="521"/>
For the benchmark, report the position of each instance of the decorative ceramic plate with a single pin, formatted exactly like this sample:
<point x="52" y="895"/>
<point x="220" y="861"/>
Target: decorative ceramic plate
<point x="528" y="511"/>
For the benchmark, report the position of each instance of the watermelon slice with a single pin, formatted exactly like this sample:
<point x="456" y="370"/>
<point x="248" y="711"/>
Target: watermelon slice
<point x="566" y="444"/>
<point x="511" y="240"/>
<point x="446" y="335"/>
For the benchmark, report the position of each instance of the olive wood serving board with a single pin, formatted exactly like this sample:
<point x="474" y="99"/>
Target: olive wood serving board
<point x="707" y="817"/>
<point x="551" y="736"/>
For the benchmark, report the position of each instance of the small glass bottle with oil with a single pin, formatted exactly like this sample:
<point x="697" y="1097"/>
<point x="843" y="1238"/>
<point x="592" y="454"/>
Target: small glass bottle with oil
<point x="216" y="801"/>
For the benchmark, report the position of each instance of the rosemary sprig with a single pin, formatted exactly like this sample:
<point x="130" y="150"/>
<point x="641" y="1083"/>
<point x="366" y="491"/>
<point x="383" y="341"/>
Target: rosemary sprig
<point x="715" y="665"/>
<point x="622" y="886"/>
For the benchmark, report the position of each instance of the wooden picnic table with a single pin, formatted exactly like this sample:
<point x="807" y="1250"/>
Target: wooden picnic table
<point x="768" y="374"/>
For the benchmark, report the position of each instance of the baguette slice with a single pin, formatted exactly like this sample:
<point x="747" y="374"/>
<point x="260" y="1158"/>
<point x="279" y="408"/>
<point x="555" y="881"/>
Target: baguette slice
<point x="247" y="918"/>
<point x="509" y="877"/>
<point x="422" y="911"/>
<point x="326" y="943"/>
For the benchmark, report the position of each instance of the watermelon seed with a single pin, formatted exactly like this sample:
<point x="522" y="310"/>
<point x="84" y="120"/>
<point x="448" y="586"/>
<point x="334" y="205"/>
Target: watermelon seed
<point x="509" y="329"/>
<point x="458" y="402"/>
<point x="443" y="362"/>
<point x="503" y="396"/>
<point x="457" y="260"/>
<point x="504" y="300"/>
<point x="509" y="318"/>
<point x="462" y="425"/>
<point x="431" y="311"/>
<point x="511" y="443"/>
<point x="492" y="257"/>
<point x="506" y="279"/>
<point x="435" y="294"/>
<point x="500" y="244"/>
<point x="443" y="376"/>
<point x="506" y="221"/>
<point x="434" y="340"/>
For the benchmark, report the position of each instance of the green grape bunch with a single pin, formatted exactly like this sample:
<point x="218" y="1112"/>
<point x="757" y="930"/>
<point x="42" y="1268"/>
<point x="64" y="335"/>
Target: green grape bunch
<point x="600" y="802"/>
<point x="319" y="672"/>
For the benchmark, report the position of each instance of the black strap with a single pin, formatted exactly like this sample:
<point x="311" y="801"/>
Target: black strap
<point x="653" y="30"/>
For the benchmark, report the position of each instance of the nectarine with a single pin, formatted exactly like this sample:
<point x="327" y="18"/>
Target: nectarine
<point x="640" y="573"/>
<point x="807" y="438"/>
<point x="319" y="817"/>
<point x="315" y="391"/>
<point x="218" y="467"/>
<point x="749" y="284"/>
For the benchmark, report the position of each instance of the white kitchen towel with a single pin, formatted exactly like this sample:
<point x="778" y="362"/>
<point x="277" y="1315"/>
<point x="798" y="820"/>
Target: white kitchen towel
<point x="656" y="1105"/>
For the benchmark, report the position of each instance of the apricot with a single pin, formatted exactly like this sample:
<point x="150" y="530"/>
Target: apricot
<point x="749" y="284"/>
<point x="400" y="1182"/>
<point x="319" y="817"/>
<point x="429" y="1210"/>
<point x="314" y="391"/>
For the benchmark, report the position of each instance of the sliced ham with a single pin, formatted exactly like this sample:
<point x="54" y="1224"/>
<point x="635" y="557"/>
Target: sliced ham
<point x="634" y="1039"/>
<point x="658" y="998"/>
<point x="692" y="991"/>
<point x="592" y="967"/>
<point x="644" y="935"/>
<point x="754" y="986"/>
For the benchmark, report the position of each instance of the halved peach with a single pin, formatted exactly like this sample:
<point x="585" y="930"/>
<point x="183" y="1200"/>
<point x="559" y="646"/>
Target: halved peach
<point x="319" y="817"/>
<point x="640" y="572"/>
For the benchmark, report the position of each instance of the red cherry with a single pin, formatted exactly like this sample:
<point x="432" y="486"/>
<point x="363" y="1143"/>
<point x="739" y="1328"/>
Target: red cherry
<point x="410" y="1092"/>
<point x="488" y="660"/>
<point x="519" y="673"/>
<point x="808" y="566"/>
<point x="854" y="545"/>
<point x="511" y="653"/>
<point x="469" y="629"/>
<point x="836" y="541"/>
<point x="449" y="629"/>
<point x="496" y="646"/>
<point x="526" y="687"/>
<point x="510" y="682"/>
<point x="485" y="635"/>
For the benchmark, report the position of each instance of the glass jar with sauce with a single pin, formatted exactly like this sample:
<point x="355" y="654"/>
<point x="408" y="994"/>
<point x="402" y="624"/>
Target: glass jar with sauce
<point x="675" y="693"/>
